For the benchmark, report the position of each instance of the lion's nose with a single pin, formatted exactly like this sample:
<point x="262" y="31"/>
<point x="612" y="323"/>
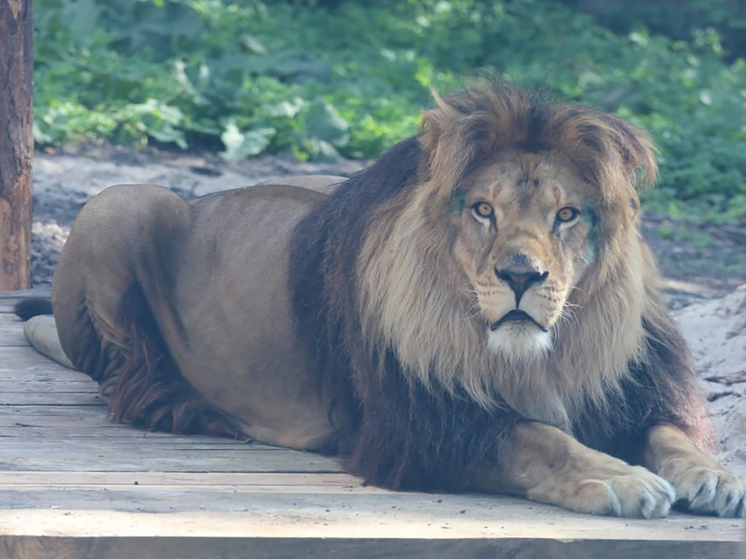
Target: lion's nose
<point x="520" y="280"/>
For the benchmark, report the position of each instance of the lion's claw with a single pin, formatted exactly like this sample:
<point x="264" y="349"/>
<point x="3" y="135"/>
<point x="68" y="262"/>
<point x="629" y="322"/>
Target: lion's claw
<point x="708" y="490"/>
<point x="639" y="494"/>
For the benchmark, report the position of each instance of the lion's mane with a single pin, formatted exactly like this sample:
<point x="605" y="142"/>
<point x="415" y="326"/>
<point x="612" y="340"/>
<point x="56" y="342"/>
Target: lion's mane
<point x="425" y="405"/>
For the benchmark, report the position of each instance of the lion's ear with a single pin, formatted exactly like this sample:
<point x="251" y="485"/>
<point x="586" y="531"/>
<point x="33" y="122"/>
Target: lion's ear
<point x="434" y="122"/>
<point x="448" y="151"/>
<point x="636" y="149"/>
<point x="473" y="122"/>
<point x="453" y="134"/>
<point x="430" y="131"/>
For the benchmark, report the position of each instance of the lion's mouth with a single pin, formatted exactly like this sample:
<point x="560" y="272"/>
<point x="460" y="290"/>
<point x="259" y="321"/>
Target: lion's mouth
<point x="516" y="315"/>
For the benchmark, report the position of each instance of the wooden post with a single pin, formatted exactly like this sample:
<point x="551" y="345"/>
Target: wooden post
<point x="16" y="142"/>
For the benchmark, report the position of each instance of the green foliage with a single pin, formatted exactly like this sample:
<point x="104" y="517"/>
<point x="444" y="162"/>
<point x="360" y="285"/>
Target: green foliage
<point x="679" y="19"/>
<point x="255" y="77"/>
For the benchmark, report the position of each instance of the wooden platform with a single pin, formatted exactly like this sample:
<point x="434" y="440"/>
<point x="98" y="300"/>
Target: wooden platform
<point x="72" y="485"/>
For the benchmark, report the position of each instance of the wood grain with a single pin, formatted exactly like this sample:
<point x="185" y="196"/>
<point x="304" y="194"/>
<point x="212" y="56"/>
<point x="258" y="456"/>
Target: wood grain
<point x="16" y="142"/>
<point x="311" y="548"/>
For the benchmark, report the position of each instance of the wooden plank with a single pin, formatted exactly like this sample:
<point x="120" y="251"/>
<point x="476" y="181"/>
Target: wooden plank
<point x="103" y="455"/>
<point x="51" y="373"/>
<point x="10" y="480"/>
<point x="144" y="442"/>
<point x="48" y="384"/>
<point x="62" y="398"/>
<point x="8" y="318"/>
<point x="82" y="422"/>
<point x="14" y="295"/>
<point x="371" y="517"/>
<point x="353" y="514"/>
<point x="155" y="498"/>
<point x="119" y="434"/>
<point x="65" y="413"/>
<point x="72" y="430"/>
<point x="11" y="331"/>
<point x="313" y="547"/>
<point x="12" y="336"/>
<point x="342" y="548"/>
<point x="24" y="358"/>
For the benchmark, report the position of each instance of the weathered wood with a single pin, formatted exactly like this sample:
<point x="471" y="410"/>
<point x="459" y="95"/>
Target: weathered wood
<point x="341" y="548"/>
<point x="25" y="358"/>
<point x="181" y="479"/>
<point x="361" y="513"/>
<point x="81" y="457"/>
<point x="10" y="297"/>
<point x="30" y="384"/>
<point x="51" y="374"/>
<point x="62" y="398"/>
<point x="106" y="535"/>
<point x="16" y="142"/>
<point x="56" y="413"/>
<point x="10" y="335"/>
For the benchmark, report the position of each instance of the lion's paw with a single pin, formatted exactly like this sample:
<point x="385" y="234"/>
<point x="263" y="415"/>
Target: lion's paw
<point x="707" y="490"/>
<point x="637" y="493"/>
<point x="630" y="491"/>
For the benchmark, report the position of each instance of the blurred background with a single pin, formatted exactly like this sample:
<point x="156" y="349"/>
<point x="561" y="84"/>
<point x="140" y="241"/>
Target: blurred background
<point x="333" y="81"/>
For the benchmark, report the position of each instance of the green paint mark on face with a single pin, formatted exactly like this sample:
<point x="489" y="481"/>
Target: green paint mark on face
<point x="458" y="201"/>
<point x="590" y="215"/>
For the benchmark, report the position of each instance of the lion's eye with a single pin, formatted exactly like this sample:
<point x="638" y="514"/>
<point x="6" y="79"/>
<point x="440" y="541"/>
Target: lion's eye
<point x="483" y="210"/>
<point x="567" y="214"/>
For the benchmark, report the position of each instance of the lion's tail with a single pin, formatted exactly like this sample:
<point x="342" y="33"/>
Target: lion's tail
<point x="40" y="328"/>
<point x="33" y="306"/>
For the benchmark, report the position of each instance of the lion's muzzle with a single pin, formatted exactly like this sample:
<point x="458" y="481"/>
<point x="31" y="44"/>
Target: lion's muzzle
<point x="517" y="315"/>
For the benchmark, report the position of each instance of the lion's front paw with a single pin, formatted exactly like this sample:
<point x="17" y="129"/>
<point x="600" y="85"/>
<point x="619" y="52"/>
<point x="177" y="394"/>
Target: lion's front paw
<point x="707" y="490"/>
<point x="634" y="493"/>
<point x="624" y="490"/>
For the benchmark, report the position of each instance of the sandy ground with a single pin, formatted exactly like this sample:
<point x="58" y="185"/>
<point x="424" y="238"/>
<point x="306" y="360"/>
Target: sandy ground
<point x="716" y="332"/>
<point x="715" y="326"/>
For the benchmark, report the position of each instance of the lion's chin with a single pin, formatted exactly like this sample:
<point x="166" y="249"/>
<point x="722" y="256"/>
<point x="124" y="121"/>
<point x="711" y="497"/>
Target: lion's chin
<point x="519" y="341"/>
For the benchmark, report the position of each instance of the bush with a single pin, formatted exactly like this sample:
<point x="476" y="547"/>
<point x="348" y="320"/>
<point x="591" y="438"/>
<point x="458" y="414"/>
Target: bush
<point x="252" y="77"/>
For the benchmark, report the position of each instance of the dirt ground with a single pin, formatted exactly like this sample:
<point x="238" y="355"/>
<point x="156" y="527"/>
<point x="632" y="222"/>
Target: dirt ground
<point x="703" y="265"/>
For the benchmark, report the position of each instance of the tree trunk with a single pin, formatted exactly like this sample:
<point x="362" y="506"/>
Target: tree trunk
<point x="16" y="142"/>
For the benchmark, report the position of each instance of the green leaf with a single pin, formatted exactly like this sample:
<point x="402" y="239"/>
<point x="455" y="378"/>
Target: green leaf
<point x="324" y="122"/>
<point x="239" y="145"/>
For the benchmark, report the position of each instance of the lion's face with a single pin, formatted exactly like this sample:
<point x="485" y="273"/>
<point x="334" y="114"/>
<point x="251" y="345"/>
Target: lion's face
<point x="525" y="236"/>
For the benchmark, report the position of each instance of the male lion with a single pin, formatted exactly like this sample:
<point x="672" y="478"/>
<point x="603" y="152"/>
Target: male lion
<point x="476" y="311"/>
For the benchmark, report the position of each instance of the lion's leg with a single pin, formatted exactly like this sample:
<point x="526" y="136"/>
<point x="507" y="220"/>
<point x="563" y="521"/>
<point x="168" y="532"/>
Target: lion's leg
<point x="546" y="464"/>
<point x="700" y="482"/>
<point x="111" y="273"/>
<point x="94" y="272"/>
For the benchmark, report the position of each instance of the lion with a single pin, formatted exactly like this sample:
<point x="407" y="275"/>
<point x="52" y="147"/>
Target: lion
<point x="476" y="311"/>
